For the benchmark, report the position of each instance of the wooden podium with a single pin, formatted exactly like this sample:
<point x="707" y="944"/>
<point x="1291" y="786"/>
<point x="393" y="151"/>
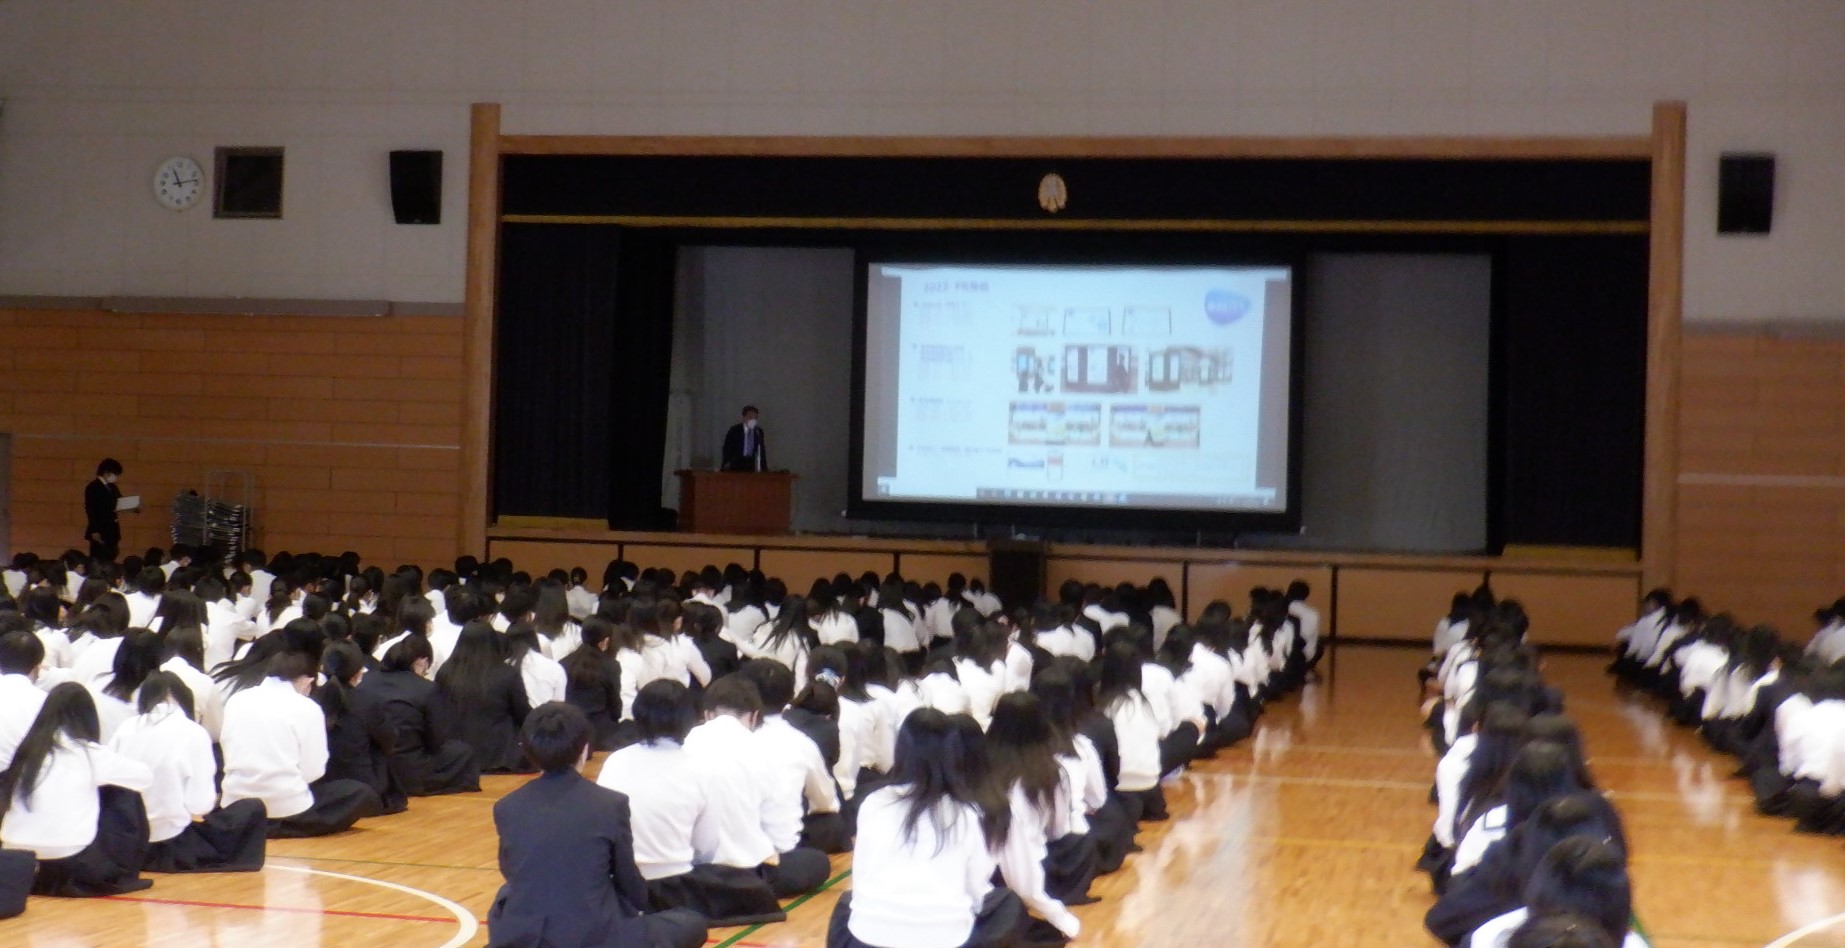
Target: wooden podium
<point x="725" y="502"/>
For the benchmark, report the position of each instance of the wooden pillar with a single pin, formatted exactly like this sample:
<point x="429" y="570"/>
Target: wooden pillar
<point x="1665" y="313"/>
<point x="477" y="335"/>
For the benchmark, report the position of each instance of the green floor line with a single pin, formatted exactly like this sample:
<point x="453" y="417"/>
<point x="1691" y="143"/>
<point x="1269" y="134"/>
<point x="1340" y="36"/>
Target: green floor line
<point x="791" y="906"/>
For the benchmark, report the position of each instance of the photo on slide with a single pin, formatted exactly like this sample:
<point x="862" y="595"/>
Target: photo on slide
<point x="1187" y="369"/>
<point x="1100" y="370"/>
<point x="1059" y="423"/>
<point x="1036" y="370"/>
<point x="1153" y="426"/>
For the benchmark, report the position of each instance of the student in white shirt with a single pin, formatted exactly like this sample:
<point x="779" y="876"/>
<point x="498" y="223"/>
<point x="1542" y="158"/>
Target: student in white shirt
<point x="144" y="600"/>
<point x="734" y="830"/>
<point x="15" y="575"/>
<point x="1054" y="631"/>
<point x="927" y="846"/>
<point x="1137" y="729"/>
<point x="578" y="597"/>
<point x="21" y="654"/>
<point x="938" y="612"/>
<point x="983" y="601"/>
<point x="275" y="750"/>
<point x="804" y="804"/>
<point x="743" y="614"/>
<point x="901" y="626"/>
<point x="666" y="652"/>
<point x="48" y="617"/>
<point x="225" y="628"/>
<point x="75" y="803"/>
<point x="164" y="737"/>
<point x="1048" y="862"/>
<point x="282" y="607"/>
<point x="138" y="657"/>
<point x="413" y="618"/>
<point x="1163" y="609"/>
<point x="832" y="622"/>
<point x="980" y="662"/>
<point x="93" y="651"/>
<point x="544" y="679"/>
<point x="1307" y="620"/>
<point x="787" y="639"/>
<point x="668" y="791"/>
<point x="560" y="632"/>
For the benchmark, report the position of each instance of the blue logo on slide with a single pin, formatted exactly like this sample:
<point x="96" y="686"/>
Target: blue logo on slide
<point x="1224" y="307"/>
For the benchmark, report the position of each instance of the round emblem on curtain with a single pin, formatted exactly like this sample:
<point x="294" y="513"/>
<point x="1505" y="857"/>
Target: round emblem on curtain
<point x="1053" y="194"/>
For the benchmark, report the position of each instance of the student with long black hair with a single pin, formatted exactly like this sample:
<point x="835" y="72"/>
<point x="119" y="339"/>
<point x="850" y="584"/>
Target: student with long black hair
<point x="1137" y="730"/>
<point x="48" y="615"/>
<point x="544" y="678"/>
<point x="1542" y="771"/>
<point x="75" y="803"/>
<point x="359" y="737"/>
<point x="1051" y="860"/>
<point x="559" y="631"/>
<point x="138" y="657"/>
<point x="788" y="638"/>
<point x="488" y="699"/>
<point x="923" y="865"/>
<point x="275" y="750"/>
<point x="593" y="682"/>
<point x="704" y="625"/>
<point x="1497" y="885"/>
<point x="21" y="656"/>
<point x="1581" y="876"/>
<point x="567" y="852"/>
<point x="424" y="756"/>
<point x="164" y="737"/>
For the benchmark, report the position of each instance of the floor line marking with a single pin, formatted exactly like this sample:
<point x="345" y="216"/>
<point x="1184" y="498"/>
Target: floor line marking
<point x="1810" y="928"/>
<point x="386" y="862"/>
<point x="278" y="908"/>
<point x="463" y="917"/>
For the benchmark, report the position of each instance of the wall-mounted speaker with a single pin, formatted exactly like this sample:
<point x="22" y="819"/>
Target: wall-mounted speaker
<point x="416" y="187"/>
<point x="1745" y="194"/>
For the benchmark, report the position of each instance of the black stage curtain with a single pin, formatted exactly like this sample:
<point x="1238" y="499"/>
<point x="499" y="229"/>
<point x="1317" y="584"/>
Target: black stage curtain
<point x="1572" y="360"/>
<point x="640" y="378"/>
<point x="552" y="381"/>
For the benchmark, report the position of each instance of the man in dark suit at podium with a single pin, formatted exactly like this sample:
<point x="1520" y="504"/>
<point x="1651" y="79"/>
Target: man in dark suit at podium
<point x="745" y="448"/>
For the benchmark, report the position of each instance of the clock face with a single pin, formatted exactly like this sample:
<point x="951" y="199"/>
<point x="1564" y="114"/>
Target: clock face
<point x="178" y="183"/>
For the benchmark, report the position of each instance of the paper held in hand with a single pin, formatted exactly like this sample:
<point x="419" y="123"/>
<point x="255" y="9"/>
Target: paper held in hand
<point x="128" y="503"/>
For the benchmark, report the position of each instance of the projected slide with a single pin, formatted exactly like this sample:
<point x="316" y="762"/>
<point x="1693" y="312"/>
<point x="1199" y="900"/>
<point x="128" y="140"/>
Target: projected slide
<point x="1147" y="386"/>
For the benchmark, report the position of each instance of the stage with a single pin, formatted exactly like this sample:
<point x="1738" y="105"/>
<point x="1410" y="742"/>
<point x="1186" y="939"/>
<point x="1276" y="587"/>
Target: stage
<point x="1575" y="598"/>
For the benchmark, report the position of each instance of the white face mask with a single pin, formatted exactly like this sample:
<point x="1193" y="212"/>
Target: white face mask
<point x="749" y="423"/>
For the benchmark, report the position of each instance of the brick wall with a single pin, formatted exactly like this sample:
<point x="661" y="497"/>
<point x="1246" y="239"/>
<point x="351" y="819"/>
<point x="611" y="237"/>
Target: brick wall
<point x="1762" y="475"/>
<point x="350" y="426"/>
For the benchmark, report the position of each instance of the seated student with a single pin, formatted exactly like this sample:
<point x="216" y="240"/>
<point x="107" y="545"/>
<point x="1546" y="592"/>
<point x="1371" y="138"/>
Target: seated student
<point x="734" y="829"/>
<point x="165" y="738"/>
<point x="567" y="854"/>
<point x="1581" y="876"/>
<point x="21" y="654"/>
<point x="75" y="803"/>
<point x="359" y="737"/>
<point x="1816" y="798"/>
<point x="100" y="629"/>
<point x="705" y="626"/>
<point x="425" y="758"/>
<point x="48" y="616"/>
<point x="275" y="750"/>
<point x="1050" y="861"/>
<point x="558" y="629"/>
<point x="1542" y="771"/>
<point x="1136" y="725"/>
<point x="414" y="616"/>
<point x="544" y="678"/>
<point x="923" y="864"/>
<point x="578" y="597"/>
<point x="593" y="682"/>
<point x="1497" y="885"/>
<point x="787" y="638"/>
<point x="667" y="793"/>
<point x="488" y="699"/>
<point x="804" y="803"/>
<point x="138" y="656"/>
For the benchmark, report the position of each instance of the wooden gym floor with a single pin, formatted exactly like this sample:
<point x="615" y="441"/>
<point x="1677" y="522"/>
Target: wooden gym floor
<point x="1305" y="834"/>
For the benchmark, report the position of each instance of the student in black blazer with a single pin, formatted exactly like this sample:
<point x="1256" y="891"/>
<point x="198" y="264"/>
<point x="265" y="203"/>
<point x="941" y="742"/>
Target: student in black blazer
<point x="487" y="697"/>
<point x="424" y="758"/>
<point x="100" y="525"/>
<point x="746" y="448"/>
<point x="567" y="853"/>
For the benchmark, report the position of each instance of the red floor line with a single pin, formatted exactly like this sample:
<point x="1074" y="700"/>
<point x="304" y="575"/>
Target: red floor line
<point x="280" y="908"/>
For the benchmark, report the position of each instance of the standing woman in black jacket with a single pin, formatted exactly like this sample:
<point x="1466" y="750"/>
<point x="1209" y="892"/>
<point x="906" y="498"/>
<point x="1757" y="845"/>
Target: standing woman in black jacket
<point x="488" y="698"/>
<point x="424" y="758"/>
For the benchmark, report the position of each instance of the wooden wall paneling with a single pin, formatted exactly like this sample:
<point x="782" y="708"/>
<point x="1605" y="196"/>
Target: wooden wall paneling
<point x="538" y="558"/>
<point x="1572" y="610"/>
<point x="477" y="342"/>
<point x="1665" y="309"/>
<point x="1109" y="146"/>
<point x="1400" y="605"/>
<point x="1111" y="572"/>
<point x="799" y="568"/>
<point x="936" y="567"/>
<point x="1231" y="582"/>
<point x="682" y="558"/>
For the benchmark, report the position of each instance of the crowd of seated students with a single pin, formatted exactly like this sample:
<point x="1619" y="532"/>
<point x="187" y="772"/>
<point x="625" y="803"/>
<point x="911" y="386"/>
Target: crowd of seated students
<point x="1776" y="707"/>
<point x="951" y="744"/>
<point x="1525" y="850"/>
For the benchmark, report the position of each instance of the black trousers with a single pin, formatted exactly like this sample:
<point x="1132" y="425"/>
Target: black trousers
<point x="825" y="832"/>
<point x="1069" y="866"/>
<point x="337" y="805"/>
<point x="17" y="867"/>
<point x="228" y="839"/>
<point x="1001" y="923"/>
<point x="676" y="928"/>
<point x="720" y="894"/>
<point x="111" y="864"/>
<point x="797" y="871"/>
